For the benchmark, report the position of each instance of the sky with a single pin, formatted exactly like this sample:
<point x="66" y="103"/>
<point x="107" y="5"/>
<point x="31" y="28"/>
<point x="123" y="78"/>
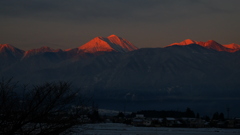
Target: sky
<point x="63" y="24"/>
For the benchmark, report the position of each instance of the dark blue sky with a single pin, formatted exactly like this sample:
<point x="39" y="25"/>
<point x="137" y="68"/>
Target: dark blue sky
<point x="28" y="24"/>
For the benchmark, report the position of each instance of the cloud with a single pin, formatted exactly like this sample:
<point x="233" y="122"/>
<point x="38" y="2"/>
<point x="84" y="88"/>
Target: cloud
<point x="16" y="8"/>
<point x="121" y="10"/>
<point x="73" y="9"/>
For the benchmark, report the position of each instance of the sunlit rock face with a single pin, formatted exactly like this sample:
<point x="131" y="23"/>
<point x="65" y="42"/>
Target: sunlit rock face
<point x="233" y="46"/>
<point x="108" y="44"/>
<point x="211" y="44"/>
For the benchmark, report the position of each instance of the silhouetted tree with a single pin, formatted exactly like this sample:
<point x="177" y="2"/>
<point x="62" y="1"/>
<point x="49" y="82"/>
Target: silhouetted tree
<point x="218" y="116"/>
<point x="52" y="108"/>
<point x="197" y="116"/>
<point x="94" y="116"/>
<point x="189" y="113"/>
<point x="206" y="118"/>
<point x="215" y="116"/>
<point x="221" y="116"/>
<point x="120" y="115"/>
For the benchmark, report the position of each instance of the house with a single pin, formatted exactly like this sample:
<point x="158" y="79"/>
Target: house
<point x="138" y="120"/>
<point x="140" y="116"/>
<point x="147" y="122"/>
<point x="172" y="122"/>
<point x="194" y="122"/>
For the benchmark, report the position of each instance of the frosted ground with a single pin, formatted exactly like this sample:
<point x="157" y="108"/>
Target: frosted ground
<point x="122" y="129"/>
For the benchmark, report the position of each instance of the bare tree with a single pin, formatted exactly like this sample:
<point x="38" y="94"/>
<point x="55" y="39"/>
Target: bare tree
<point x="52" y="108"/>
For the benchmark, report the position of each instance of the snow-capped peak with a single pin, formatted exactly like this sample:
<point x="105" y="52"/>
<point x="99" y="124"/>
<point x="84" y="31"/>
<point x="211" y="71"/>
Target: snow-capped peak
<point x="7" y="47"/>
<point x="185" y="42"/>
<point x="120" y="44"/>
<point x="210" y="44"/>
<point x="232" y="46"/>
<point x="112" y="36"/>
<point x="11" y="50"/>
<point x="107" y="44"/>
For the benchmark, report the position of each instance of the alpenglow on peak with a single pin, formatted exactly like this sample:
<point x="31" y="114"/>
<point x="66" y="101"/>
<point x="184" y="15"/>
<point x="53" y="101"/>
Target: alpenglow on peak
<point x="210" y="44"/>
<point x="108" y="44"/>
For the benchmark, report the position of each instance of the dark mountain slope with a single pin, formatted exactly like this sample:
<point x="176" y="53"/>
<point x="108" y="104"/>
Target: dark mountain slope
<point x="151" y="76"/>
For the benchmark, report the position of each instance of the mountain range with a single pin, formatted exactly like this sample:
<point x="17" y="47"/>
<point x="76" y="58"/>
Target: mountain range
<point x="211" y="44"/>
<point x="111" y="43"/>
<point x="113" y="71"/>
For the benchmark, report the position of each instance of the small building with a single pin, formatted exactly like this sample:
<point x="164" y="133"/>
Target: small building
<point x="138" y="120"/>
<point x="172" y="122"/>
<point x="194" y="122"/>
<point x="237" y="122"/>
<point x="147" y="122"/>
<point x="140" y="116"/>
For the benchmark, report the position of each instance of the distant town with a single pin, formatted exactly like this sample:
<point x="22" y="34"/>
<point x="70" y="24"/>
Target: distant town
<point x="187" y="119"/>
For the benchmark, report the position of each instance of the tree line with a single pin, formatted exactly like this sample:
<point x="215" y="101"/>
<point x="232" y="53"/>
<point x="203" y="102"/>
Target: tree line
<point x="50" y="108"/>
<point x="188" y="113"/>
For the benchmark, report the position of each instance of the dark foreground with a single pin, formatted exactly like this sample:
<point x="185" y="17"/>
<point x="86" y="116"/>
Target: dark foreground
<point x="122" y="129"/>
